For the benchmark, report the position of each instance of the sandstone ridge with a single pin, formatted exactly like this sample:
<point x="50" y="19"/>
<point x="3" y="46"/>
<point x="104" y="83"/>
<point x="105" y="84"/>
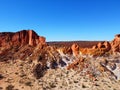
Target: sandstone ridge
<point x="20" y="38"/>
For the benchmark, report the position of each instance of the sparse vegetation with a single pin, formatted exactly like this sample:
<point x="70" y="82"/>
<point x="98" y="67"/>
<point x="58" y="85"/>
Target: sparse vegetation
<point x="1" y="88"/>
<point x="28" y="83"/>
<point x="10" y="87"/>
<point x="1" y="76"/>
<point x="39" y="71"/>
<point x="52" y="85"/>
<point x="83" y="86"/>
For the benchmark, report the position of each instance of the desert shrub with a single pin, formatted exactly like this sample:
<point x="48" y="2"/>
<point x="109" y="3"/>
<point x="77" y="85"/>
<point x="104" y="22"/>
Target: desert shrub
<point x="1" y="88"/>
<point x="40" y="58"/>
<point x="1" y="76"/>
<point x="52" y="85"/>
<point x="9" y="87"/>
<point x="83" y="86"/>
<point x="28" y="83"/>
<point x="39" y="71"/>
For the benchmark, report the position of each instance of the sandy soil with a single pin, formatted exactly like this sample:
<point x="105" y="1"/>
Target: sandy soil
<point x="17" y="75"/>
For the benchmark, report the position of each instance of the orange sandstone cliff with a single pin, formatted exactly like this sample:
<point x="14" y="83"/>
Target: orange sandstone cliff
<point x="21" y="38"/>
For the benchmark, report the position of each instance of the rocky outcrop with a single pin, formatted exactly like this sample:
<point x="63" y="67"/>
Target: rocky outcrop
<point x="65" y="50"/>
<point x="24" y="37"/>
<point x="77" y="64"/>
<point x="102" y="48"/>
<point x="75" y="49"/>
<point x="115" y="44"/>
<point x="103" y="45"/>
<point x="42" y="40"/>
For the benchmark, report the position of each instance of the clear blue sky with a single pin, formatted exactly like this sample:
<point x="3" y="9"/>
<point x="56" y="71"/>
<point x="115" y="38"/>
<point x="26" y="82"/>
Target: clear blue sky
<point x="60" y="20"/>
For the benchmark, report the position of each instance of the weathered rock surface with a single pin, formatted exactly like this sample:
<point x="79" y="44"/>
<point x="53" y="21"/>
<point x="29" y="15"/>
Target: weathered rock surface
<point x="102" y="48"/>
<point x="115" y="44"/>
<point x="21" y="38"/>
<point x="75" y="49"/>
<point x="103" y="45"/>
<point x="106" y="46"/>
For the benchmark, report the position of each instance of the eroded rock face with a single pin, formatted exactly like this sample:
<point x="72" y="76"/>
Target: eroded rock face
<point x="65" y="50"/>
<point x="42" y="40"/>
<point x="20" y="38"/>
<point x="101" y="48"/>
<point x="76" y="64"/>
<point x="75" y="49"/>
<point x="106" y="46"/>
<point x="103" y="45"/>
<point x="115" y="44"/>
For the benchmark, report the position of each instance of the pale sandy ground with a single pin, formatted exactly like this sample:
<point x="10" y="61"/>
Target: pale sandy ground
<point x="18" y="76"/>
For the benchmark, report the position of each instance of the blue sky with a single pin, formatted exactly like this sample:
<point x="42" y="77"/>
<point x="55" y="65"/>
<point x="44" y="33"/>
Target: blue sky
<point x="62" y="20"/>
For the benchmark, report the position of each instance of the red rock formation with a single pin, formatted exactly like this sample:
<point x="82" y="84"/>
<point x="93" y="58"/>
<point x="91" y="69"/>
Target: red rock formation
<point x="95" y="47"/>
<point x="24" y="37"/>
<point x="75" y="49"/>
<point x="100" y="45"/>
<point x="106" y="46"/>
<point x="76" y="64"/>
<point x="30" y="38"/>
<point x="115" y="44"/>
<point x="100" y="49"/>
<point x="42" y="40"/>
